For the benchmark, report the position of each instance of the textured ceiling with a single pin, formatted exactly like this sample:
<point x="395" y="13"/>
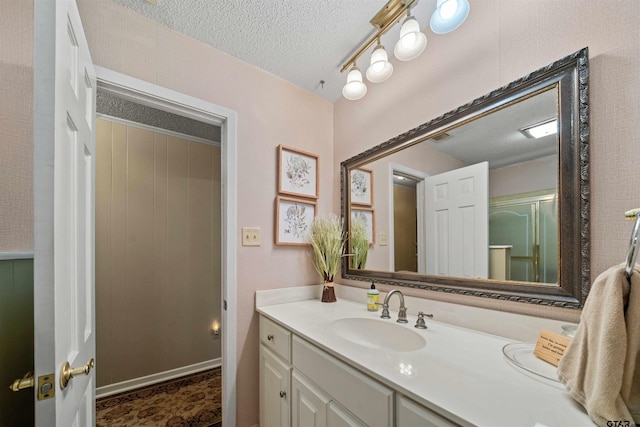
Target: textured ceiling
<point x="302" y="41"/>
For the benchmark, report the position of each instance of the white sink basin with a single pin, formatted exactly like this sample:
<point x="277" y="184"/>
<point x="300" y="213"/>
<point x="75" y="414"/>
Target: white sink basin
<point x="378" y="334"/>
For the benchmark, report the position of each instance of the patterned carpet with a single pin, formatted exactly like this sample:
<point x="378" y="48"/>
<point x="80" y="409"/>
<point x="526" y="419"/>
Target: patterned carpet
<point x="190" y="401"/>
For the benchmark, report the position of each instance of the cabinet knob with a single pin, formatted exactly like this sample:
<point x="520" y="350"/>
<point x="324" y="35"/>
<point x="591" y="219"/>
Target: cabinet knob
<point x="283" y="394"/>
<point x="270" y="337"/>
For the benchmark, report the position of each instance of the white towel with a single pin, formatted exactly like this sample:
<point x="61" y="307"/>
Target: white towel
<point x="599" y="366"/>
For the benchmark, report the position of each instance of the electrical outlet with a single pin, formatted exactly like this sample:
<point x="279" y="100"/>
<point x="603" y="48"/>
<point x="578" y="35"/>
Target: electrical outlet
<point x="384" y="239"/>
<point x="251" y="236"/>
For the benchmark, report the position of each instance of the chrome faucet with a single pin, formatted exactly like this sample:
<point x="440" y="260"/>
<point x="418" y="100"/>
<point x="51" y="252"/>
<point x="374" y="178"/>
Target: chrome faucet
<point x="402" y="312"/>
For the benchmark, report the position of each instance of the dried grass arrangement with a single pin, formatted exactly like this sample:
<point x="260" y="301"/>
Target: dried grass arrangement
<point x="327" y="246"/>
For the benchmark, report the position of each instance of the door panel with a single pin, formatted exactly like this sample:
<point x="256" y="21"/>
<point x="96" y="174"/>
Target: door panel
<point x="64" y="167"/>
<point x="456" y="217"/>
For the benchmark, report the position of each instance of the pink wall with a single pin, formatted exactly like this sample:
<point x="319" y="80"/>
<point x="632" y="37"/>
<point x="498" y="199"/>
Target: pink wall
<point x="270" y="111"/>
<point x="503" y="40"/>
<point x="16" y="126"/>
<point x="524" y="177"/>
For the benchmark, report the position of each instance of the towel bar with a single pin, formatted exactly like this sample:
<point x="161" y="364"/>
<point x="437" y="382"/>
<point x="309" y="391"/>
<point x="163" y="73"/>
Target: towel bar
<point x="632" y="254"/>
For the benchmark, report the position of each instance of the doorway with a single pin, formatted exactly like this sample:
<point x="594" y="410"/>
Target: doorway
<point x="146" y="94"/>
<point x="158" y="233"/>
<point x="406" y="210"/>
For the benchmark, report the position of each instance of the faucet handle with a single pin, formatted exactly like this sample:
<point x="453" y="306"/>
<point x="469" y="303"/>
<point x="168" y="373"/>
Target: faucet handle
<point x="385" y="311"/>
<point x="420" y="323"/>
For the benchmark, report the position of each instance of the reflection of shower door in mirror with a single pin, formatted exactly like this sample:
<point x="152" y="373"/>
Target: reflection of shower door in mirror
<point x="529" y="224"/>
<point x="456" y="208"/>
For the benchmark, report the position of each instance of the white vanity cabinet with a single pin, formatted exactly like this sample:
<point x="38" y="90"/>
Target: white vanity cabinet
<point x="308" y="403"/>
<point x="409" y="413"/>
<point x="312" y="407"/>
<point x="304" y="386"/>
<point x="275" y="374"/>
<point x="370" y="402"/>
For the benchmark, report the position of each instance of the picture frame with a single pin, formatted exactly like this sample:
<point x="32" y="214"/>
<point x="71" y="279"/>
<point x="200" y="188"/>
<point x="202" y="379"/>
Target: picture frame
<point x="361" y="186"/>
<point x="298" y="173"/>
<point x="293" y="221"/>
<point x="369" y="216"/>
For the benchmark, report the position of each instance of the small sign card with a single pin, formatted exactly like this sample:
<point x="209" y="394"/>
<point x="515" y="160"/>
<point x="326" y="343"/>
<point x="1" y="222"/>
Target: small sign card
<point x="551" y="346"/>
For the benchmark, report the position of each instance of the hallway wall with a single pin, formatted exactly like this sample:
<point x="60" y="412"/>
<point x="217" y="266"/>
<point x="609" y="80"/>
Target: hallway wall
<point x="158" y="231"/>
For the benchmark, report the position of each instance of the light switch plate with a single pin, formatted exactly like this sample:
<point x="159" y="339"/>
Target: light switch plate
<point x="384" y="239"/>
<point x="251" y="236"/>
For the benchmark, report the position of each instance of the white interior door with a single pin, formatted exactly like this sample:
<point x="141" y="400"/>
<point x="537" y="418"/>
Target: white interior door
<point x="64" y="209"/>
<point x="457" y="230"/>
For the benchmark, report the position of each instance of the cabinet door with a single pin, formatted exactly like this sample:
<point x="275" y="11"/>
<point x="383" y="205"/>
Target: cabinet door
<point x="410" y="414"/>
<point x="308" y="403"/>
<point x="274" y="390"/>
<point x="339" y="417"/>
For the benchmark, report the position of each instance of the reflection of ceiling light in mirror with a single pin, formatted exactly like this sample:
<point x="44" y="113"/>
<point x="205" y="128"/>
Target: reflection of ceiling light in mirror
<point x="548" y="127"/>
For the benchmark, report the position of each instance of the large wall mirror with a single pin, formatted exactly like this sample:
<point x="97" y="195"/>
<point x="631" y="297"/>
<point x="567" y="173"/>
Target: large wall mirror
<point x="491" y="199"/>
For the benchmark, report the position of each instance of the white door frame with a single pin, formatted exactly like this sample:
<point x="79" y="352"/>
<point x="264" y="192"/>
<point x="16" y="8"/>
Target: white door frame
<point x="158" y="97"/>
<point x="419" y="177"/>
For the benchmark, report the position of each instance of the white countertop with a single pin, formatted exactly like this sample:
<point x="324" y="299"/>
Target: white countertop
<point x="459" y="373"/>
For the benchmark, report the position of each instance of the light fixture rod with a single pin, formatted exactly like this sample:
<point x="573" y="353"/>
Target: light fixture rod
<point x="383" y="21"/>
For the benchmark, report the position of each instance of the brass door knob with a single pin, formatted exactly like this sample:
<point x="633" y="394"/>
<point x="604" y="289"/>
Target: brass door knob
<point x="25" y="382"/>
<point x="67" y="372"/>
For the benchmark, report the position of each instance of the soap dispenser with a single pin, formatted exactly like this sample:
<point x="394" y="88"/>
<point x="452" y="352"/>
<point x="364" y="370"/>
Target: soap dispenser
<point x="372" y="298"/>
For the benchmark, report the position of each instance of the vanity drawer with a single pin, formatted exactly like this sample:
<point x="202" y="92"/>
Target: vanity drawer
<point x="276" y="338"/>
<point x="365" y="398"/>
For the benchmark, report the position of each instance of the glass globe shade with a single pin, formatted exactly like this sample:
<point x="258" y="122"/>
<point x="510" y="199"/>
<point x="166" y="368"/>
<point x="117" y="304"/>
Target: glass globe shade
<point x="449" y="15"/>
<point x="448" y="9"/>
<point x="380" y="69"/>
<point x="412" y="41"/>
<point x="354" y="89"/>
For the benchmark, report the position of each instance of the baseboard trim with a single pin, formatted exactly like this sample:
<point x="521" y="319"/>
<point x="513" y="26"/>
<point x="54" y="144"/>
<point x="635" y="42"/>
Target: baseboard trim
<point x="134" y="383"/>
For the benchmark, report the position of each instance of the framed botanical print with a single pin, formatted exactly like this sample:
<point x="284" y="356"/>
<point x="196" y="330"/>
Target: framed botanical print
<point x="361" y="185"/>
<point x="294" y="218"/>
<point x="368" y="217"/>
<point x="297" y="173"/>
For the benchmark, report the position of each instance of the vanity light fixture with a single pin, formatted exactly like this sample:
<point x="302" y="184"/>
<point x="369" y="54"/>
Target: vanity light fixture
<point x="411" y="44"/>
<point x="449" y="15"/>
<point x="548" y="127"/>
<point x="412" y="41"/>
<point x="355" y="88"/>
<point x="380" y="69"/>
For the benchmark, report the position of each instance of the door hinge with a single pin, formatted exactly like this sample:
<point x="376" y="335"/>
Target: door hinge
<point x="224" y="305"/>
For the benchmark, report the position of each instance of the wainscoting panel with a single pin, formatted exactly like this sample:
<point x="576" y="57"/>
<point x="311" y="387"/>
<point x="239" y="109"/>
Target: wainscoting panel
<point x="158" y="252"/>
<point x="16" y="340"/>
